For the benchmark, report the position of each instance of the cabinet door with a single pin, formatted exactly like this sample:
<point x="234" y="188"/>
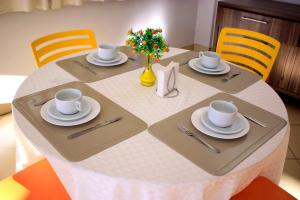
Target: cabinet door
<point x="285" y="74"/>
<point x="227" y="17"/>
<point x="294" y="83"/>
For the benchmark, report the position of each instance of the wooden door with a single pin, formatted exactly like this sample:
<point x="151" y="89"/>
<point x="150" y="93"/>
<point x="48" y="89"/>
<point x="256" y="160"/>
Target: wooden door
<point x="294" y="83"/>
<point x="285" y="75"/>
<point x="227" y="17"/>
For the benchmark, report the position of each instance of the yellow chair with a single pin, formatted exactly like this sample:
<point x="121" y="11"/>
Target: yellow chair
<point x="251" y="50"/>
<point x="36" y="182"/>
<point x="54" y="46"/>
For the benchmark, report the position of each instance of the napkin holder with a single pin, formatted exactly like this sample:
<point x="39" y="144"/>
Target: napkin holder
<point x="167" y="80"/>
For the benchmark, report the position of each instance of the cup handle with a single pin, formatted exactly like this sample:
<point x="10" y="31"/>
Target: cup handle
<point x="78" y="105"/>
<point x="200" y="54"/>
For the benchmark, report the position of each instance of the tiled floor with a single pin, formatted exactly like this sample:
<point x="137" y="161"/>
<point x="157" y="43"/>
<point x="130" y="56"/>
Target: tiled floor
<point x="290" y="180"/>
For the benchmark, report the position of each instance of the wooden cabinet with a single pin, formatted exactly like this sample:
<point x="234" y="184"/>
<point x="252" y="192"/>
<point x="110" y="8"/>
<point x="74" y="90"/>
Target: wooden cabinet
<point x="285" y="75"/>
<point x="227" y="17"/>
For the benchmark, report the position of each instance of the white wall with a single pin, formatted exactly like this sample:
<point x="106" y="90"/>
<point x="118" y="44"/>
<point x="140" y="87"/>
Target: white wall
<point x="206" y="14"/>
<point x="110" y="22"/>
<point x="205" y="19"/>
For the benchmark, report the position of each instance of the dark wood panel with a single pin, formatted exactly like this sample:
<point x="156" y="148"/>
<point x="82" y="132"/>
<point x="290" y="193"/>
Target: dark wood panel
<point x="233" y="18"/>
<point x="285" y="75"/>
<point x="249" y="21"/>
<point x="285" y="31"/>
<point x="294" y="84"/>
<point x="283" y="70"/>
<point x="290" y="12"/>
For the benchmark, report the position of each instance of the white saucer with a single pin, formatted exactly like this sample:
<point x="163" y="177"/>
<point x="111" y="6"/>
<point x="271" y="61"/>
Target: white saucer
<point x="237" y="126"/>
<point x="194" y="66"/>
<point x="95" y="56"/>
<point x="197" y="63"/>
<point x="91" y="60"/>
<point x="95" y="110"/>
<point x="196" y="121"/>
<point x="53" y="112"/>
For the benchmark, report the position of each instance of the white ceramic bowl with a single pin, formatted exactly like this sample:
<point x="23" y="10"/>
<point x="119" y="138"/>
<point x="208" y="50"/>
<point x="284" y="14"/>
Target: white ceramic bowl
<point x="107" y="51"/>
<point x="222" y="113"/>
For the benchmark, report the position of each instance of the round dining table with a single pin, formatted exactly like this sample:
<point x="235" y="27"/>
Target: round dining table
<point x="143" y="167"/>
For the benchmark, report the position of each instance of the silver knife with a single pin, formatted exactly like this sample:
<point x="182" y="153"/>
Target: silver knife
<point x="255" y="121"/>
<point x="101" y="124"/>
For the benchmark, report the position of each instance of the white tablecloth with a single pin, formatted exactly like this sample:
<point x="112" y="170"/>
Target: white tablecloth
<point x="142" y="167"/>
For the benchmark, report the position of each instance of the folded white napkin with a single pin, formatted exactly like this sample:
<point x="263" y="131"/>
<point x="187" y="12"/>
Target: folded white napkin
<point x="167" y="79"/>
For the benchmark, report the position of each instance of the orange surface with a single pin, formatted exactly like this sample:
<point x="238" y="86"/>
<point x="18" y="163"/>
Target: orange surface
<point x="263" y="189"/>
<point x="42" y="182"/>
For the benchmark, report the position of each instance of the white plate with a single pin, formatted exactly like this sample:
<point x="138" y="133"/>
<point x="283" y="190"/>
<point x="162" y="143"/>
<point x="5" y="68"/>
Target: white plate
<point x="237" y="126"/>
<point x="194" y="67"/>
<point x="195" y="118"/>
<point x="95" y="56"/>
<point x="197" y="63"/>
<point x="91" y="60"/>
<point x="95" y="110"/>
<point x="53" y="112"/>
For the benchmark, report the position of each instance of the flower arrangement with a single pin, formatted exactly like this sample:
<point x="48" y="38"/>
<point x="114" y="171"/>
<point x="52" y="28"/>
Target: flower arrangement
<point x="149" y="42"/>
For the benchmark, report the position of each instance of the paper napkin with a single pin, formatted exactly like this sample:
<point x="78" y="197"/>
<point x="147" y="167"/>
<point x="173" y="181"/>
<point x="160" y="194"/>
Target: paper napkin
<point x="167" y="79"/>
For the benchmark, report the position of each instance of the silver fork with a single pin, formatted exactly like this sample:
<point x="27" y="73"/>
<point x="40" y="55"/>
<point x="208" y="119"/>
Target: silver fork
<point x="227" y="78"/>
<point x="186" y="131"/>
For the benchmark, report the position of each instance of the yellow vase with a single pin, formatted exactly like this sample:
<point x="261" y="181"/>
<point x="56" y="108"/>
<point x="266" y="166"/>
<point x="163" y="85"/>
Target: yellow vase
<point x="148" y="77"/>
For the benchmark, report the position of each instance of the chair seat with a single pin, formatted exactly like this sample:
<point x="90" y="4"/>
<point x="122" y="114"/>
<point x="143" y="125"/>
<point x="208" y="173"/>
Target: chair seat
<point x="263" y="189"/>
<point x="42" y="182"/>
<point x="5" y="108"/>
<point x="12" y="190"/>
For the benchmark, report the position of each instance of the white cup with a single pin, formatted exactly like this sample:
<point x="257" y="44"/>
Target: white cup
<point x="209" y="59"/>
<point x="107" y="51"/>
<point x="222" y="113"/>
<point x="68" y="101"/>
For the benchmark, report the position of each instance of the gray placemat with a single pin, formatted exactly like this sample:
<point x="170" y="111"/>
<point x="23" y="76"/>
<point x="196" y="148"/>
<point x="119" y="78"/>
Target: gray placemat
<point x="91" y="143"/>
<point x="86" y="72"/>
<point x="234" y="85"/>
<point x="232" y="151"/>
<point x="182" y="58"/>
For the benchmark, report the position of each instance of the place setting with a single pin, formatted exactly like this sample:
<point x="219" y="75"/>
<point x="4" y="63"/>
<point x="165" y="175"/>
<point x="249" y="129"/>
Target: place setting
<point x="70" y="108"/>
<point x="107" y="55"/>
<point x="223" y="128"/>
<point x="209" y="68"/>
<point x="220" y="119"/>
<point x="105" y="61"/>
<point x="73" y="114"/>
<point x="210" y="63"/>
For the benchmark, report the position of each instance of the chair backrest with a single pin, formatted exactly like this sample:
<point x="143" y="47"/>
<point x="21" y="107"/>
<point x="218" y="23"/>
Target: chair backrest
<point x="251" y="50"/>
<point x="54" y="46"/>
